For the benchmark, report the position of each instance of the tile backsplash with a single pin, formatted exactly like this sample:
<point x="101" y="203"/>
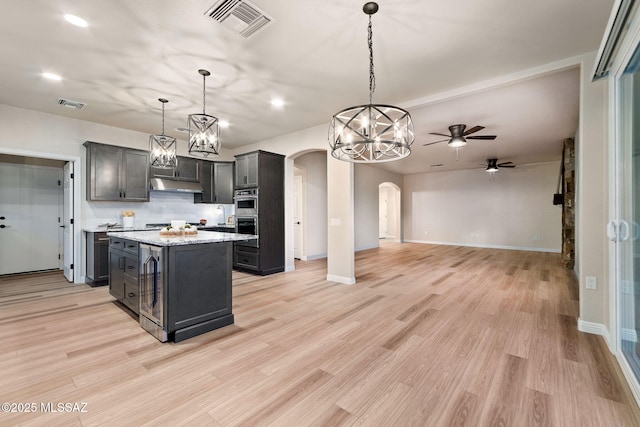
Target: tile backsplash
<point x="162" y="207"/>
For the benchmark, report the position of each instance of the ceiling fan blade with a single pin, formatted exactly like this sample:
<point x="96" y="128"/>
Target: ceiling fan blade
<point x="439" y="134"/>
<point x="506" y="166"/>
<point x="431" y="143"/>
<point x="487" y="137"/>
<point x="505" y="163"/>
<point x="472" y="130"/>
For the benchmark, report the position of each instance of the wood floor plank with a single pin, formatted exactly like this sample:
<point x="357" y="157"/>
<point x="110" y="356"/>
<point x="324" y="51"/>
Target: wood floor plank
<point x="429" y="335"/>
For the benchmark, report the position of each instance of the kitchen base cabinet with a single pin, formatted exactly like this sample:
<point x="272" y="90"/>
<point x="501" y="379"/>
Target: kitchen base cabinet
<point x="178" y="290"/>
<point x="97" y="259"/>
<point x="123" y="272"/>
<point x="198" y="289"/>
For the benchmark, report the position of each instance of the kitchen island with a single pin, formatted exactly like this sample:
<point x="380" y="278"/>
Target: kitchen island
<point x="180" y="286"/>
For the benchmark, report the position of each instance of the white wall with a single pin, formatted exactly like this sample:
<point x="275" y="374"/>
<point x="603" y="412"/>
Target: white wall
<point x="513" y="209"/>
<point x="367" y="206"/>
<point x="314" y="167"/>
<point x="591" y="197"/>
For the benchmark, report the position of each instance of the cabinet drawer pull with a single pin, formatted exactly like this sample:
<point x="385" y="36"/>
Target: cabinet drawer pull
<point x="130" y="267"/>
<point x="131" y="295"/>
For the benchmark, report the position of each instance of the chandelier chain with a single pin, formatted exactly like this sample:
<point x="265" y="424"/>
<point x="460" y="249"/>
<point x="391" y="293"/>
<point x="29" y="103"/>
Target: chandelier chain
<point x="162" y="119"/>
<point x="204" y="88"/>
<point x="372" y="76"/>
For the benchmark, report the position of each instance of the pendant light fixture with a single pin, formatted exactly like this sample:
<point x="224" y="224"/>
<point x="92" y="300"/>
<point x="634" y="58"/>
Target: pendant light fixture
<point x="162" y="148"/>
<point x="204" y="133"/>
<point x="373" y="132"/>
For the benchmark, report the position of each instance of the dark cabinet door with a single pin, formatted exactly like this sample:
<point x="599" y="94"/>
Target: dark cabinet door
<point x="116" y="273"/>
<point x="136" y="175"/>
<point x="223" y="182"/>
<point x="188" y="169"/>
<point x="101" y="259"/>
<point x="163" y="172"/>
<point x="206" y="180"/>
<point x="196" y="295"/>
<point x="105" y="169"/>
<point x="247" y="170"/>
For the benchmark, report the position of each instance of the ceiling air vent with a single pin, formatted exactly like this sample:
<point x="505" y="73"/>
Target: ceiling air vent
<point x="238" y="15"/>
<point x="70" y="104"/>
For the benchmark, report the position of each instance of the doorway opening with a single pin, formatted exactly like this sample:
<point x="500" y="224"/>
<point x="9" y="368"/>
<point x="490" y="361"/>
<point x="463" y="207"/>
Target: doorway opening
<point x="389" y="218"/>
<point x="38" y="201"/>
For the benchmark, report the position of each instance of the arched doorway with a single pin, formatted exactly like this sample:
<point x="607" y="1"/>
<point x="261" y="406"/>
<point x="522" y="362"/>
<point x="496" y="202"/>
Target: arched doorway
<point x="389" y="218"/>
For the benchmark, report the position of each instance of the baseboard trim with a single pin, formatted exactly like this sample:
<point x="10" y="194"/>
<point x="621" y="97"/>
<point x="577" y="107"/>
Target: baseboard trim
<point x="596" y="329"/>
<point x="289" y="268"/>
<point x="314" y="257"/>
<point x="341" y="279"/>
<point x="486" y="246"/>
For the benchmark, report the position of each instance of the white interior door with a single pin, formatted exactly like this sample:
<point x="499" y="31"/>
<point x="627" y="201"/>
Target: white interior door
<point x="297" y="217"/>
<point x="29" y="227"/>
<point x="67" y="222"/>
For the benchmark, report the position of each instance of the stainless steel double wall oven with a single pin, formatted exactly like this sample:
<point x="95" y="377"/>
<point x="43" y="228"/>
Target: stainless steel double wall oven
<point x="247" y="211"/>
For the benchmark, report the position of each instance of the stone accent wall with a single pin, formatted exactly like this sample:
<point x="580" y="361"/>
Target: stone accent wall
<point x="568" y="205"/>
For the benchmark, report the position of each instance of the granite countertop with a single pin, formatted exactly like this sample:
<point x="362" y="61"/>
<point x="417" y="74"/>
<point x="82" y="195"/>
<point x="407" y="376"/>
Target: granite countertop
<point x="153" y="237"/>
<point x="104" y="228"/>
<point x="120" y="228"/>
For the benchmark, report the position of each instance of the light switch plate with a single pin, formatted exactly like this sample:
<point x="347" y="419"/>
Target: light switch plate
<point x="592" y="282"/>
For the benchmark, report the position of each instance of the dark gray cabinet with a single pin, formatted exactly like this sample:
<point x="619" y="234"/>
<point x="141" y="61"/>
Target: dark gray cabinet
<point x="116" y="173"/>
<point x="247" y="170"/>
<point x="123" y="272"/>
<point x="217" y="182"/>
<point x="199" y="299"/>
<point x="188" y="169"/>
<point x="97" y="259"/>
<point x="265" y="171"/>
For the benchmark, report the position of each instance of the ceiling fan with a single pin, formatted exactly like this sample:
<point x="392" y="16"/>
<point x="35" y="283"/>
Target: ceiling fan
<point x="494" y="166"/>
<point x="458" y="137"/>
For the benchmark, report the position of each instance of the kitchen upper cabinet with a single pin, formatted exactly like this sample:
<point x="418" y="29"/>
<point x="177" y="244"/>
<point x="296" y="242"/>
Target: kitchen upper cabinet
<point x="117" y="173"/>
<point x="217" y="182"/>
<point x="224" y="182"/>
<point x="247" y="170"/>
<point x="188" y="169"/>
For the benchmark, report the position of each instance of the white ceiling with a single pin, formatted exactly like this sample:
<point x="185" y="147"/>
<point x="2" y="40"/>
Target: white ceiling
<point x="314" y="55"/>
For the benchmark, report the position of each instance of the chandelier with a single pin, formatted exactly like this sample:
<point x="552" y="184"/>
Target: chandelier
<point x="373" y="132"/>
<point x="204" y="133"/>
<point x="162" y="148"/>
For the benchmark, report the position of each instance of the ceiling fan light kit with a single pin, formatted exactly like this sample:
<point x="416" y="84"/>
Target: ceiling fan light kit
<point x="372" y="132"/>
<point x="204" y="132"/>
<point x="458" y="135"/>
<point x="494" y="166"/>
<point x="162" y="148"/>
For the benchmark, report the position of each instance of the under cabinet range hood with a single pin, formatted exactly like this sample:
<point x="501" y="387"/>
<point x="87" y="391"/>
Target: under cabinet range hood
<point x="165" y="184"/>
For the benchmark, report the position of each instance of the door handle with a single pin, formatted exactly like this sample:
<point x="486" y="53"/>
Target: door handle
<point x="1" y="217"/>
<point x="3" y="226"/>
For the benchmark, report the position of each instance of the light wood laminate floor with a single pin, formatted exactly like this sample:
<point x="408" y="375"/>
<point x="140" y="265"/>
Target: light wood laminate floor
<point x="429" y="336"/>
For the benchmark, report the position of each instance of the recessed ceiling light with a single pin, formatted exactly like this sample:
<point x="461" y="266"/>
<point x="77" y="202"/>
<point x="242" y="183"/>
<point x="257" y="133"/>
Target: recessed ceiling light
<point x="75" y="20"/>
<point x="51" y="76"/>
<point x="277" y="102"/>
<point x="223" y="124"/>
